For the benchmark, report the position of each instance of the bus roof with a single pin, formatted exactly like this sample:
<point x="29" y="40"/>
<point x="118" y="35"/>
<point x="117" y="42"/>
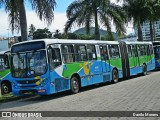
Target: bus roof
<point x="128" y="42"/>
<point x="52" y="41"/>
<point x="76" y="41"/>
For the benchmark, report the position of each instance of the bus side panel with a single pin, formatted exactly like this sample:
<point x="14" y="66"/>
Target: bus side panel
<point x="151" y="63"/>
<point x="80" y="68"/>
<point x="58" y="83"/>
<point x="3" y="73"/>
<point x="116" y="63"/>
<point x="96" y="72"/>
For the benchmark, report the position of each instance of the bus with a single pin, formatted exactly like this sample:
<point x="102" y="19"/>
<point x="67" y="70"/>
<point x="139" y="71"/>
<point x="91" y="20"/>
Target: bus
<point x="48" y="66"/>
<point x="5" y="76"/>
<point x="156" y="45"/>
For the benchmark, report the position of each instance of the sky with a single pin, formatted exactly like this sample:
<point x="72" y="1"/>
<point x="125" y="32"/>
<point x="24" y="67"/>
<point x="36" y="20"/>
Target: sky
<point x="58" y="23"/>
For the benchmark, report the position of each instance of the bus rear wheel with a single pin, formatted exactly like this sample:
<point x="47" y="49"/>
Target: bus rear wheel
<point x="144" y="69"/>
<point x="74" y="85"/>
<point x="5" y="88"/>
<point x="114" y="76"/>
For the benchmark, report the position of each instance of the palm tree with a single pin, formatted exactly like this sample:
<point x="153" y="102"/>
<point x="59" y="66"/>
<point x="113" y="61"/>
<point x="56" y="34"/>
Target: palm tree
<point x="32" y="29"/>
<point x="137" y="11"/>
<point x="85" y="12"/>
<point x="17" y="13"/>
<point x="154" y="15"/>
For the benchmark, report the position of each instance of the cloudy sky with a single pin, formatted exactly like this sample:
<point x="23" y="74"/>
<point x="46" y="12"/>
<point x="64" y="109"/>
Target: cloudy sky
<point x="58" y="23"/>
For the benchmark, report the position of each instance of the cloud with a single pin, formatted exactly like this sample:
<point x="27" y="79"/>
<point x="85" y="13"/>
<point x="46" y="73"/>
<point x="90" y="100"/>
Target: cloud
<point x="4" y="25"/>
<point x="58" y="23"/>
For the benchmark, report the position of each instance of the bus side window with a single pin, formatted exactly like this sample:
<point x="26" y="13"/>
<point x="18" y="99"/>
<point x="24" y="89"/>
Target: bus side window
<point x="67" y="53"/>
<point x="129" y="51"/>
<point x="104" y="54"/>
<point x="114" y="51"/>
<point x="150" y="49"/>
<point x="54" y="57"/>
<point x="91" y="51"/>
<point x="80" y="53"/>
<point x="134" y="51"/>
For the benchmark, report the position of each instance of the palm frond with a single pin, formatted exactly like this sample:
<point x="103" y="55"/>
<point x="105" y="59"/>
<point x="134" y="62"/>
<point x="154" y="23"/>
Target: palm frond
<point x="44" y="9"/>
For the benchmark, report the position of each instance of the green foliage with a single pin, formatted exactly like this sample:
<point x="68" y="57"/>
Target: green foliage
<point x="86" y="37"/>
<point x="65" y="36"/>
<point x="139" y="11"/>
<point x="42" y="33"/>
<point x="107" y="37"/>
<point x="69" y="36"/>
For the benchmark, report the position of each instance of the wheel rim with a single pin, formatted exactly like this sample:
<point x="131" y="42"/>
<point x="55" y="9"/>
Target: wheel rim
<point x="144" y="69"/>
<point x="115" y="77"/>
<point x="5" y="89"/>
<point x="75" y="85"/>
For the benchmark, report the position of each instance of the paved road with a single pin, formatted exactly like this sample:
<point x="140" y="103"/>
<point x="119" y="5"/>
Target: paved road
<point x="140" y="93"/>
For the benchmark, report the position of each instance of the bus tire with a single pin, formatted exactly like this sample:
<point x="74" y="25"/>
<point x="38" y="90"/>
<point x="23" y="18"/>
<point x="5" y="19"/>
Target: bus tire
<point x="115" y="76"/>
<point x="5" y="88"/>
<point x="74" y="85"/>
<point x="144" y="69"/>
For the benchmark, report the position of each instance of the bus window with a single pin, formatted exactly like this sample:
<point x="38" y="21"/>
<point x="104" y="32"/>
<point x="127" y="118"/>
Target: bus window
<point x="67" y="53"/>
<point x="114" y="51"/>
<point x="134" y="50"/>
<point x="150" y="50"/>
<point x="139" y="50"/>
<point x="80" y="53"/>
<point x="55" y="57"/>
<point x="143" y="50"/>
<point x="104" y="53"/>
<point x="91" y="51"/>
<point x="129" y="50"/>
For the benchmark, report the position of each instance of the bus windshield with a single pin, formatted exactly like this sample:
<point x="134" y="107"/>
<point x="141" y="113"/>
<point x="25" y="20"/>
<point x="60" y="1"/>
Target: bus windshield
<point x="29" y="64"/>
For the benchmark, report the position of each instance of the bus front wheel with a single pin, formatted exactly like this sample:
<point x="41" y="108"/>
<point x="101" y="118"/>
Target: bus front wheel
<point x="5" y="88"/>
<point x="114" y="76"/>
<point x="74" y="85"/>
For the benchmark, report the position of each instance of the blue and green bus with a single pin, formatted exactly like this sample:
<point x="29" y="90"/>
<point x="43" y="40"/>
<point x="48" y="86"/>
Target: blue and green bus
<point x="49" y="66"/>
<point x="5" y="76"/>
<point x="156" y="45"/>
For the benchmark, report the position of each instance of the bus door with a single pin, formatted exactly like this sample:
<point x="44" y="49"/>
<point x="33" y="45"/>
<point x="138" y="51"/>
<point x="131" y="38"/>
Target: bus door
<point x="55" y="61"/>
<point x="105" y="63"/>
<point x="135" y="56"/>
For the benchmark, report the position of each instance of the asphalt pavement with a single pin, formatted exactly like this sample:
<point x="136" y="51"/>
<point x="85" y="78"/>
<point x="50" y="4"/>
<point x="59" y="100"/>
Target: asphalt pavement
<point x="139" y="93"/>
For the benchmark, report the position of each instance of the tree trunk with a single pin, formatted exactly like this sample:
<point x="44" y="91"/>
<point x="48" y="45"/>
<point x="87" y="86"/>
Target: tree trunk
<point x="140" y="36"/>
<point x="97" y="34"/>
<point x="151" y="30"/>
<point x="23" y="21"/>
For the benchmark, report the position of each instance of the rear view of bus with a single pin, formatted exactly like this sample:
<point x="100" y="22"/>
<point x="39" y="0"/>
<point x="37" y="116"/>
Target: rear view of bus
<point x="29" y="68"/>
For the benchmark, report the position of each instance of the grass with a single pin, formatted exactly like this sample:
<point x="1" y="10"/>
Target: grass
<point x="8" y="97"/>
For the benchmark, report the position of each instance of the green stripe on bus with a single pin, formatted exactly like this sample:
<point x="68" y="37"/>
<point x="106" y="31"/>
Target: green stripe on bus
<point x="72" y="68"/>
<point x="4" y="73"/>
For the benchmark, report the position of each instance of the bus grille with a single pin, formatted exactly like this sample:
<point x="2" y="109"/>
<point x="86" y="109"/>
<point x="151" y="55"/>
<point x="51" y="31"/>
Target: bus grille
<point x="27" y="81"/>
